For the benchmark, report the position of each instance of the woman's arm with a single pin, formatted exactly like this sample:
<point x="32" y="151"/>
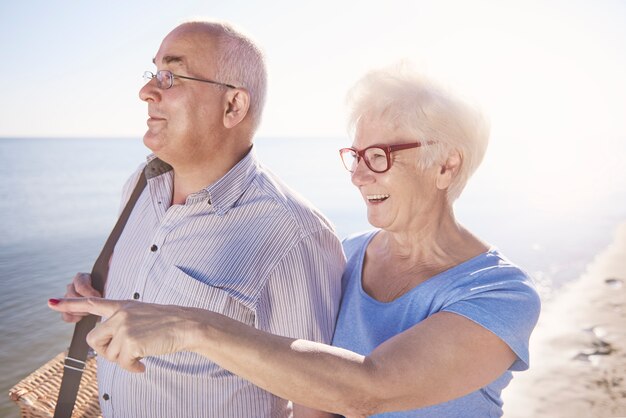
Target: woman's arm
<point x="444" y="357"/>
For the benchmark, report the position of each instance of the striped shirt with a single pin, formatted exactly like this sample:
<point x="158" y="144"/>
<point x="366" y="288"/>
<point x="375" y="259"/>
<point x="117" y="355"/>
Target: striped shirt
<point x="247" y="247"/>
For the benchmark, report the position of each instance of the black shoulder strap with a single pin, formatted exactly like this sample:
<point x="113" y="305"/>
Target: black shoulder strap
<point x="77" y="353"/>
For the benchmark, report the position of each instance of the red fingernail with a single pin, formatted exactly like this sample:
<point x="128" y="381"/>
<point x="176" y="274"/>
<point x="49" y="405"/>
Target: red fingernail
<point x="53" y="301"/>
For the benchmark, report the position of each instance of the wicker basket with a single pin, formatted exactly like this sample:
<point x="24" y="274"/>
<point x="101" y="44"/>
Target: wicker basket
<point x="37" y="393"/>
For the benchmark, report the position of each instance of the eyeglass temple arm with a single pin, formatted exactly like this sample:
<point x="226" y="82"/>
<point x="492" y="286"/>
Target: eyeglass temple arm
<point x="408" y="146"/>
<point x="206" y="81"/>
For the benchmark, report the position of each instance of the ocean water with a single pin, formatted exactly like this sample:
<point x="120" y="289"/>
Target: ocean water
<point x="59" y="198"/>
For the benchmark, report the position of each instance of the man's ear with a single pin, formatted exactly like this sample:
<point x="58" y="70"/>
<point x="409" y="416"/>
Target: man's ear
<point x="448" y="170"/>
<point x="237" y="105"/>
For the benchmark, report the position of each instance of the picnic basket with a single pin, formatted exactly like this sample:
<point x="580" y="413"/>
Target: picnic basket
<point x="37" y="393"/>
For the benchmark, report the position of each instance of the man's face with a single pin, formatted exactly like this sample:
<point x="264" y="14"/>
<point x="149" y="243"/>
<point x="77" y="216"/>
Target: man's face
<point x="185" y="120"/>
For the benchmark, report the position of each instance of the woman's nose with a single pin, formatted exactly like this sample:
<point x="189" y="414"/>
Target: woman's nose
<point x="362" y="174"/>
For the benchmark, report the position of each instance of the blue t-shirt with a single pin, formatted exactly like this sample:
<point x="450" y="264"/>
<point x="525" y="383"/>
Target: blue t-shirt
<point x="487" y="289"/>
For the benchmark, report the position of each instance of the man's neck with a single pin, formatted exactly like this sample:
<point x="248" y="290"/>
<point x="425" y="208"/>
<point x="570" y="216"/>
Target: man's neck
<point x="191" y="178"/>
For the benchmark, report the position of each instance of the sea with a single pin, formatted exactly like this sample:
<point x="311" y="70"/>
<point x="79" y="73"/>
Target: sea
<point x="59" y="198"/>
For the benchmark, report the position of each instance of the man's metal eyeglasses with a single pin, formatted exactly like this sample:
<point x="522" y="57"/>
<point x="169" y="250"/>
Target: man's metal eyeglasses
<point x="377" y="158"/>
<point x="165" y="79"/>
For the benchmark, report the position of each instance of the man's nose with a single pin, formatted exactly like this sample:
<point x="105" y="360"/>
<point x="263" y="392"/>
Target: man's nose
<point x="150" y="92"/>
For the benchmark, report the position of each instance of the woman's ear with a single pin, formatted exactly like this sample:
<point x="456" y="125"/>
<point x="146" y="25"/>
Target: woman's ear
<point x="449" y="170"/>
<point x="238" y="103"/>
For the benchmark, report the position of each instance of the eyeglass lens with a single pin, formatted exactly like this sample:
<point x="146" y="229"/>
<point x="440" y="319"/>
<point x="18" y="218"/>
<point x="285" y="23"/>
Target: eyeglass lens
<point x="375" y="158"/>
<point x="164" y="78"/>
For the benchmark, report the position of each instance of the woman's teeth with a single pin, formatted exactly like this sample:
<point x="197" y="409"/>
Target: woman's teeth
<point x="377" y="197"/>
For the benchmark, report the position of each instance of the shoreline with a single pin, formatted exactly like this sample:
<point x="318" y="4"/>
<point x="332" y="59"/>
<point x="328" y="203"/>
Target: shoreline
<point x="578" y="349"/>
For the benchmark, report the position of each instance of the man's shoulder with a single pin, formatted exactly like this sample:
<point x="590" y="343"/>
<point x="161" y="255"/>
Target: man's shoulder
<point x="131" y="182"/>
<point x="286" y="204"/>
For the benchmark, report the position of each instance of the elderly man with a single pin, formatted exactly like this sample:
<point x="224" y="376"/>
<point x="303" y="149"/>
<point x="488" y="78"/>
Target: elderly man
<point x="214" y="230"/>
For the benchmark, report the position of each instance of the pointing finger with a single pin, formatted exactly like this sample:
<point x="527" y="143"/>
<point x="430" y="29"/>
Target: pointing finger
<point x="95" y="306"/>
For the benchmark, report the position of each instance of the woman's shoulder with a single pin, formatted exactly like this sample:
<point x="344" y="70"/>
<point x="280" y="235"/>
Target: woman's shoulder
<point x="495" y="267"/>
<point x="493" y="277"/>
<point x="501" y="297"/>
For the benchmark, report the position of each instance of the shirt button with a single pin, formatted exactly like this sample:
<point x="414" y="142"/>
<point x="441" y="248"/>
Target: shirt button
<point x="154" y="248"/>
<point x="106" y="397"/>
<point x="136" y="295"/>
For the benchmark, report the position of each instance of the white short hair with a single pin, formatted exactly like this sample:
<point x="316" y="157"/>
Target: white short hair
<point x="240" y="62"/>
<point x="410" y="101"/>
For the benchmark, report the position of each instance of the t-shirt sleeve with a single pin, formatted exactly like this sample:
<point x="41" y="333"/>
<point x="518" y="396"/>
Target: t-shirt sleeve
<point x="505" y="302"/>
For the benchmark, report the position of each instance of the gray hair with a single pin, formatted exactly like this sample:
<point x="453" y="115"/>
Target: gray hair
<point x="240" y="62"/>
<point x="406" y="100"/>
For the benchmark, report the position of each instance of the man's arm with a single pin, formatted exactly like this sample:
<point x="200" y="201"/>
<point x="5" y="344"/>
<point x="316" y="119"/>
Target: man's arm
<point x="303" y="291"/>
<point x="302" y="295"/>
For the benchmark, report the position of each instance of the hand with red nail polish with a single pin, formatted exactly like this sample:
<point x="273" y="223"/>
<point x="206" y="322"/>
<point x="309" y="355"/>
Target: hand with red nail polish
<point x="79" y="287"/>
<point x="134" y="330"/>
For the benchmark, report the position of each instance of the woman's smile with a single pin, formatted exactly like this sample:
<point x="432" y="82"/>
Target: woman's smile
<point x="376" y="198"/>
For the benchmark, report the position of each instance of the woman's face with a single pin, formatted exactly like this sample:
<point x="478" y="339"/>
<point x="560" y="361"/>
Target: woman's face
<point x="403" y="196"/>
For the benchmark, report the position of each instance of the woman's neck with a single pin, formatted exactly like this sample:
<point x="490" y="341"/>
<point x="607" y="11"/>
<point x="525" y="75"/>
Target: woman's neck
<point x="439" y="240"/>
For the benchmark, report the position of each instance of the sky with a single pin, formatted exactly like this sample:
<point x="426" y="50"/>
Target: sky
<point x="73" y="68"/>
<point x="550" y="74"/>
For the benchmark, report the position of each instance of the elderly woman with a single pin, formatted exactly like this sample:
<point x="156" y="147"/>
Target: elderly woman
<point x="433" y="320"/>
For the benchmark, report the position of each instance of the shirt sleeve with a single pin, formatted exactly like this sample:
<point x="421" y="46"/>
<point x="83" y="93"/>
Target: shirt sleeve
<point x="302" y="295"/>
<point x="506" y="303"/>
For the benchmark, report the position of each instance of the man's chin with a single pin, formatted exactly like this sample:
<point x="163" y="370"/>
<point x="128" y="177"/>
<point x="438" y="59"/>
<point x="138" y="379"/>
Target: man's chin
<point x="152" y="141"/>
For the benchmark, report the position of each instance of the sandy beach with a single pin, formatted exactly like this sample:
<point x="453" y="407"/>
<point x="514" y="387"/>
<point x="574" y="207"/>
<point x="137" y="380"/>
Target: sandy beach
<point x="578" y="350"/>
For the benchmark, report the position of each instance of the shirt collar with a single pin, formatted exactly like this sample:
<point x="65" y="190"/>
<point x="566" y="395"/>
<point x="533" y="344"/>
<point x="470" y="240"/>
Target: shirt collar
<point x="226" y="191"/>
<point x="155" y="167"/>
